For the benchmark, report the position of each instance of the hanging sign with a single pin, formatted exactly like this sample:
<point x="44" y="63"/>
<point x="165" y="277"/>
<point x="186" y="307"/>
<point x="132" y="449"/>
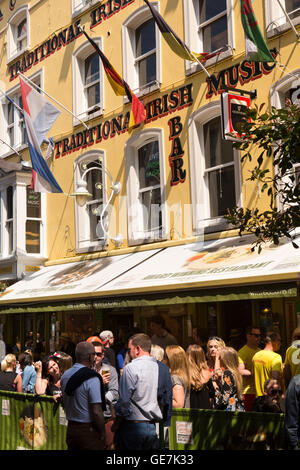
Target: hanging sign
<point x="234" y="109"/>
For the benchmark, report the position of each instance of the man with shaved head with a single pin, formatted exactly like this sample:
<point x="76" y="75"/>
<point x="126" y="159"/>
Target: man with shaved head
<point x="82" y="390"/>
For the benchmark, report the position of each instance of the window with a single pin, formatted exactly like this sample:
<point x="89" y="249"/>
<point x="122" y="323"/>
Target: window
<point x="87" y="82"/>
<point x="33" y="222"/>
<point x="141" y="51"/>
<point x="215" y="170"/>
<point x="145" y="56"/>
<point x="145" y="187"/>
<point x="10" y="218"/>
<point x="219" y="169"/>
<point x="287" y="88"/>
<point x="78" y="6"/>
<point x="13" y="130"/>
<point x="208" y="26"/>
<point x="18" y="33"/>
<point x="89" y="231"/>
<point x="276" y="20"/>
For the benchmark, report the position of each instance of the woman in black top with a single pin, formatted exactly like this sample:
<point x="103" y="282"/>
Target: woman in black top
<point x="48" y="376"/>
<point x="201" y="390"/>
<point x="9" y="379"/>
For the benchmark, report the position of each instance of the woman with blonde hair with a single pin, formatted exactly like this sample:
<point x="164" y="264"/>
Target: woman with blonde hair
<point x="227" y="381"/>
<point x="178" y="365"/>
<point x="200" y="378"/>
<point x="214" y="344"/>
<point x="9" y="379"/>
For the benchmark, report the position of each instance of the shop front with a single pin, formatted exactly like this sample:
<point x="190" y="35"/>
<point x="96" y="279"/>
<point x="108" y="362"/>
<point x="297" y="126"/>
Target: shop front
<point x="220" y="286"/>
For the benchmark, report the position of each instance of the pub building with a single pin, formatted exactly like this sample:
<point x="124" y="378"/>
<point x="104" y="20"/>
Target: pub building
<point x="151" y="237"/>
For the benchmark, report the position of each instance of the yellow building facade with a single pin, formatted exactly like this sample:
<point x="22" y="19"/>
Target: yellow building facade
<point x="176" y="176"/>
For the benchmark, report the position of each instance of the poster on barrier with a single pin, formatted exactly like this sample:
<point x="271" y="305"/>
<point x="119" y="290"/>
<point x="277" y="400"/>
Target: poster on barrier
<point x="184" y="432"/>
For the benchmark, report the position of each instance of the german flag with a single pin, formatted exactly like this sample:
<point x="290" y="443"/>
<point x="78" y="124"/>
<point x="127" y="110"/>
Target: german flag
<point x="120" y="87"/>
<point x="175" y="43"/>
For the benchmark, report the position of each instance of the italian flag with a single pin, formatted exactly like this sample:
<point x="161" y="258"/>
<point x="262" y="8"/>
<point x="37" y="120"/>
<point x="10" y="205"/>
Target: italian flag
<point x="256" y="47"/>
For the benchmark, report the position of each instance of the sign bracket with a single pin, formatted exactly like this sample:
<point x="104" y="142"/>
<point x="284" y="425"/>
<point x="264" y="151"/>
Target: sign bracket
<point x="252" y="93"/>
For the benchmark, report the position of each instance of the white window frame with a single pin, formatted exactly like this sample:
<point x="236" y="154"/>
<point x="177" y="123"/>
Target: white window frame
<point x="199" y="185"/>
<point x="12" y="28"/>
<point x="82" y="220"/>
<point x="80" y="108"/>
<point x="276" y="21"/>
<point x="19" y="182"/>
<point x="136" y="233"/>
<point x="277" y="98"/>
<point x="130" y="69"/>
<point x="193" y="38"/>
<point x="14" y="93"/>
<point x="79" y="6"/>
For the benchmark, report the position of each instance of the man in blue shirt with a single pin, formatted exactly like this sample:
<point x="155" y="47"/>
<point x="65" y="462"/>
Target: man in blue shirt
<point x="81" y="389"/>
<point x="138" y="408"/>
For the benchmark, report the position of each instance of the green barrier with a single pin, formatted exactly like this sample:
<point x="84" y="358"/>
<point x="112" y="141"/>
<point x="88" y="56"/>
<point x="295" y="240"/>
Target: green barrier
<point x="35" y="422"/>
<point x="31" y="422"/>
<point x="224" y="430"/>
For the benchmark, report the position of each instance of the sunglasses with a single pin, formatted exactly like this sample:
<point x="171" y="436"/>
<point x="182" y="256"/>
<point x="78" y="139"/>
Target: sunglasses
<point x="214" y="338"/>
<point x="275" y="391"/>
<point x="99" y="354"/>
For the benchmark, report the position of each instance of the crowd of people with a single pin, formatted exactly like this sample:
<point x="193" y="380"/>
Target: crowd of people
<point x="116" y="399"/>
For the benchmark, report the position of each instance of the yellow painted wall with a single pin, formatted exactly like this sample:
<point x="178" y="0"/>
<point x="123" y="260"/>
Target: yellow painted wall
<point x="49" y="17"/>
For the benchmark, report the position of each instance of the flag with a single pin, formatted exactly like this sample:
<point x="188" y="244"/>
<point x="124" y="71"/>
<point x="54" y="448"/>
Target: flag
<point x="50" y="148"/>
<point x="256" y="47"/>
<point x="39" y="116"/>
<point x="175" y="43"/>
<point x="121" y="88"/>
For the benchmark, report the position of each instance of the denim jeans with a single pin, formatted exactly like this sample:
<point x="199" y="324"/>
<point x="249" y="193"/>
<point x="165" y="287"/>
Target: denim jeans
<point x="136" y="436"/>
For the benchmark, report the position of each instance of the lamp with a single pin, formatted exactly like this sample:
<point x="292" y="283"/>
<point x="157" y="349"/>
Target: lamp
<point x="81" y="194"/>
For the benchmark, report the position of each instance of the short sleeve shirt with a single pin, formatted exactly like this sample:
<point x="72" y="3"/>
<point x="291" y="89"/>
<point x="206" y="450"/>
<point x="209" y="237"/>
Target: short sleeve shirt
<point x="77" y="406"/>
<point x="292" y="358"/>
<point x="265" y="362"/>
<point x="245" y="357"/>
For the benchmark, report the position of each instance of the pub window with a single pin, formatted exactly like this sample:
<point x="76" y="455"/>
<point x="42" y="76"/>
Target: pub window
<point x="145" y="187"/>
<point x="33" y="222"/>
<point x="87" y="82"/>
<point x="219" y="169"/>
<point x="89" y="230"/>
<point x="18" y="33"/>
<point x="215" y="170"/>
<point x="208" y="26"/>
<point x="10" y="218"/>
<point x="276" y="20"/>
<point x="141" y="51"/>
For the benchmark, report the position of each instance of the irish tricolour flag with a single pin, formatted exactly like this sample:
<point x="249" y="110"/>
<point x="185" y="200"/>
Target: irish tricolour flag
<point x="256" y="47"/>
<point x="39" y="116"/>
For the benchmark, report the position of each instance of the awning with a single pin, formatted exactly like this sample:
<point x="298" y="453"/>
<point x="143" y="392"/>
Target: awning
<point x="209" y="271"/>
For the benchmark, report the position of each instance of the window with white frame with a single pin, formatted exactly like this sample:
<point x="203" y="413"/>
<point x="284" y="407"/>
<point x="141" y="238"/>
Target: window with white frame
<point x="78" y="6"/>
<point x="33" y="221"/>
<point x="141" y="51"/>
<point x="89" y="228"/>
<point x="18" y="33"/>
<point x="87" y="82"/>
<point x="276" y="20"/>
<point x="208" y="27"/>
<point x="287" y="90"/>
<point x="13" y="130"/>
<point x="145" y="187"/>
<point x="23" y="212"/>
<point x="215" y="169"/>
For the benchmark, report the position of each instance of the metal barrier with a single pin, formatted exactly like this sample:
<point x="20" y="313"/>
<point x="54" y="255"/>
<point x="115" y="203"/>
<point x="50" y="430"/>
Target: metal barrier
<point x="35" y="422"/>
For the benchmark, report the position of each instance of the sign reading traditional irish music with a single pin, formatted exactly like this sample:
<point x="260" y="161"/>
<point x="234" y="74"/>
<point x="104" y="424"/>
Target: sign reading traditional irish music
<point x="234" y="109"/>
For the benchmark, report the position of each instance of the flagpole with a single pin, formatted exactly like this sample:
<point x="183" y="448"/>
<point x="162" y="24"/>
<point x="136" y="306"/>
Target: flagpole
<point x="15" y="151"/>
<point x="49" y="96"/>
<point x="288" y="18"/>
<point x="201" y="65"/>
